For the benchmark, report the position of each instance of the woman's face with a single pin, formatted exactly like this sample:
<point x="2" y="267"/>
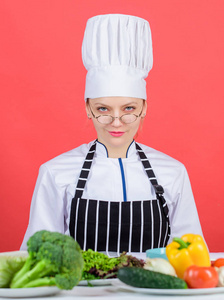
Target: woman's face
<point x="117" y="133"/>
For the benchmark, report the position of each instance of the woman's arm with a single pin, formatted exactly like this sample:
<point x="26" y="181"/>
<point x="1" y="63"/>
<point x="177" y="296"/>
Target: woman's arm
<point x="183" y="213"/>
<point x="47" y="206"/>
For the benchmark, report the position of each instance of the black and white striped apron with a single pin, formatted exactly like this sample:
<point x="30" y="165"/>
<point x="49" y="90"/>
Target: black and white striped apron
<point x="132" y="226"/>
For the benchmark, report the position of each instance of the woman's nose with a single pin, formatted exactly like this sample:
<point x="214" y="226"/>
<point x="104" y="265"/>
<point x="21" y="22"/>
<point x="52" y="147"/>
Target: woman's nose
<point x="116" y="122"/>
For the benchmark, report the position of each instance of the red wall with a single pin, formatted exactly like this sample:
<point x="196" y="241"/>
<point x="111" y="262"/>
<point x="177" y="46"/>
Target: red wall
<point x="42" y="87"/>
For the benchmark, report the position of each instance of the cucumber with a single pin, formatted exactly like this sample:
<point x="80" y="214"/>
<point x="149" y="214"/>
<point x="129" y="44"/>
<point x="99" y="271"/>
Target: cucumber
<point x="142" y="278"/>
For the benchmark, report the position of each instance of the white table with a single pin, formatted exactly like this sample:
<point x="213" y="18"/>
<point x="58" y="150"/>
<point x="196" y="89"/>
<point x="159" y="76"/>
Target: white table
<point x="113" y="293"/>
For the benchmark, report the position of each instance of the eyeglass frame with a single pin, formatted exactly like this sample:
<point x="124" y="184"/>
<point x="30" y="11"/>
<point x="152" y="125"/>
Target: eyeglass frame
<point x="113" y="118"/>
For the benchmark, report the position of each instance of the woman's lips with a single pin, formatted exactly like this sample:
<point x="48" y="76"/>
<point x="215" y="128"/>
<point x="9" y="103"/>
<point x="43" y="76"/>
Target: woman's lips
<point x="116" y="133"/>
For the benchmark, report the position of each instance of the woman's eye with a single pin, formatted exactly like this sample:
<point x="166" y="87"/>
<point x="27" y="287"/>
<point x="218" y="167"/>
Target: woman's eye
<point x="129" y="108"/>
<point x="102" y="109"/>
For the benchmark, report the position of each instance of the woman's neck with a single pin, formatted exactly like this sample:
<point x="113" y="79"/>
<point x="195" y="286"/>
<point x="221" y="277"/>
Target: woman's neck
<point x="117" y="153"/>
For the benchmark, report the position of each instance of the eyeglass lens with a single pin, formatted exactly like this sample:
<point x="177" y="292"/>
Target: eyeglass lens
<point x="128" y="118"/>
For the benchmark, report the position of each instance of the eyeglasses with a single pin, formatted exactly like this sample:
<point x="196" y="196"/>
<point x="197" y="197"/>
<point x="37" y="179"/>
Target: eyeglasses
<point x="107" y="119"/>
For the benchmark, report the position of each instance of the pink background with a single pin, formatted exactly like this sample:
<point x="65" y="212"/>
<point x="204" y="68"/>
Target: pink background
<point x="42" y="82"/>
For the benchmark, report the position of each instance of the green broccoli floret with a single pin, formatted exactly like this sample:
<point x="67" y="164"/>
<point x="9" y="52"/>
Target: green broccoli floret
<point x="54" y="259"/>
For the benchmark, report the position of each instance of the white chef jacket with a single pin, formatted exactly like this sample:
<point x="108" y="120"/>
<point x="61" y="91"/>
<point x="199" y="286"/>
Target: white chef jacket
<point x="57" y="179"/>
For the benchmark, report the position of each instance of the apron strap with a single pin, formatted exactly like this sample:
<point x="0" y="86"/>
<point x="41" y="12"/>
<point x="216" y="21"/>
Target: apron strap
<point x="151" y="175"/>
<point x="85" y="171"/>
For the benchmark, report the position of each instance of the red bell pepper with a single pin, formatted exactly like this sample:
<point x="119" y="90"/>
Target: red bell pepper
<point x="219" y="262"/>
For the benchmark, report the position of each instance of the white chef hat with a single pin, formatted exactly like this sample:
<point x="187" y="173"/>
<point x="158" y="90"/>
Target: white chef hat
<point x="117" y="53"/>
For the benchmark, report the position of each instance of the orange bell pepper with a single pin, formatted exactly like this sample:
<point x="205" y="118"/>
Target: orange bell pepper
<point x="186" y="251"/>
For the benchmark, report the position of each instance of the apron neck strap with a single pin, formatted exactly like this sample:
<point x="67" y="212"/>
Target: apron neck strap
<point x="149" y="171"/>
<point x="85" y="171"/>
<point x="151" y="175"/>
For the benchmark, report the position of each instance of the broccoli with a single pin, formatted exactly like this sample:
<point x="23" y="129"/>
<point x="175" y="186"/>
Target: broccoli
<point x="54" y="259"/>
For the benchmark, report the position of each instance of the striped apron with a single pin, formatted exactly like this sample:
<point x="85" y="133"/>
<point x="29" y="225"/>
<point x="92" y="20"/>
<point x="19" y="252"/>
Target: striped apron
<point x="116" y="226"/>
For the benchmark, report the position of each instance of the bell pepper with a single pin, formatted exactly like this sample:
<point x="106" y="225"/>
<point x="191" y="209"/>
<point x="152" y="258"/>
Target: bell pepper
<point x="186" y="251"/>
<point x="219" y="262"/>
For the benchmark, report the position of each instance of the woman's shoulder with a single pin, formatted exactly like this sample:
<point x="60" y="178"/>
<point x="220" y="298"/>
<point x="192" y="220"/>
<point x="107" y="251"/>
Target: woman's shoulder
<point x="160" y="158"/>
<point x="68" y="159"/>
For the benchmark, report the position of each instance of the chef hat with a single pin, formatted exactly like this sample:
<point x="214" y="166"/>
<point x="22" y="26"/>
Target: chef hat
<point x="117" y="53"/>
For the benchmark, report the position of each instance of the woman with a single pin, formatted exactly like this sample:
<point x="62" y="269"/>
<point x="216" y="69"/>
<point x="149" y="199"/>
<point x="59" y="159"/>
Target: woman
<point x="113" y="194"/>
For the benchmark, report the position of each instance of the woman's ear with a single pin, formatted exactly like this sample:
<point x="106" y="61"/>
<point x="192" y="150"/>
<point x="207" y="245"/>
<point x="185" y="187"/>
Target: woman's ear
<point x="88" y="109"/>
<point x="144" y="109"/>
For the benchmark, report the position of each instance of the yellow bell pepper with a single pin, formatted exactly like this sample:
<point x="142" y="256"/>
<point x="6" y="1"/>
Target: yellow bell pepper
<point x="186" y="251"/>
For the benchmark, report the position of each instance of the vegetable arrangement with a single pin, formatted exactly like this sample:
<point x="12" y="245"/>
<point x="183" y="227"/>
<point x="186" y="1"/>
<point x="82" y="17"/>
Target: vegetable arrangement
<point x="53" y="259"/>
<point x="56" y="259"/>
<point x="190" y="258"/>
<point x="188" y="266"/>
<point x="186" y="251"/>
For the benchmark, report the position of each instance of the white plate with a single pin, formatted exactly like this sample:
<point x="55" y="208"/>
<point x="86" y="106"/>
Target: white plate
<point x="98" y="282"/>
<point x="186" y="292"/>
<point x="29" y="292"/>
<point x="14" y="253"/>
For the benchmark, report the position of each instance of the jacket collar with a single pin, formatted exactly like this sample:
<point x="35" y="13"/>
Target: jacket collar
<point x="101" y="150"/>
